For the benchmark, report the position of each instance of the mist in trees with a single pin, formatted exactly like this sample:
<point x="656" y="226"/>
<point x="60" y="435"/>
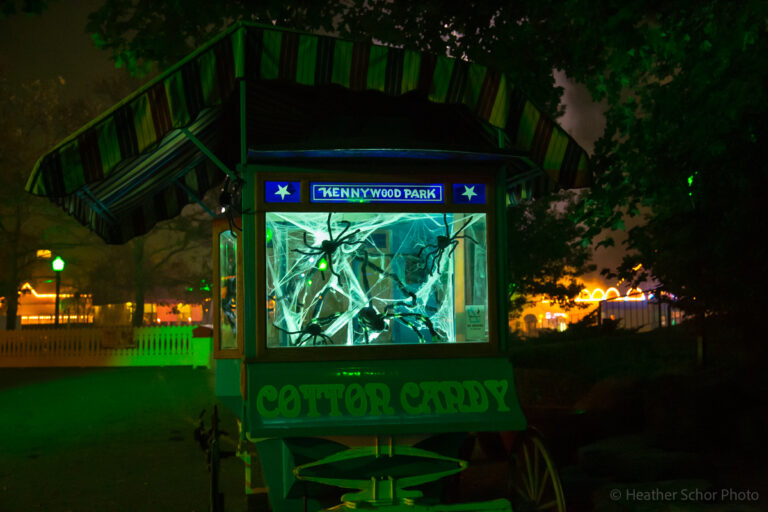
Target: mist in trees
<point x="33" y="118"/>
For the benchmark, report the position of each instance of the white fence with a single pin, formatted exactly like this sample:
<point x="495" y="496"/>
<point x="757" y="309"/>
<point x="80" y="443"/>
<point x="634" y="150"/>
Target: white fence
<point x="105" y="346"/>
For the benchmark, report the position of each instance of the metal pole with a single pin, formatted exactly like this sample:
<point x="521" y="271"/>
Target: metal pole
<point x="58" y="287"/>
<point x="658" y="299"/>
<point x="600" y="314"/>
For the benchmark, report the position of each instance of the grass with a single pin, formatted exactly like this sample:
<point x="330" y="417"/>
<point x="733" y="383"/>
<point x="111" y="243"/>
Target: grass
<point x="117" y="439"/>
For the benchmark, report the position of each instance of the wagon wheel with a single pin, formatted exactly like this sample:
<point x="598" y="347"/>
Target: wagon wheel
<point x="534" y="483"/>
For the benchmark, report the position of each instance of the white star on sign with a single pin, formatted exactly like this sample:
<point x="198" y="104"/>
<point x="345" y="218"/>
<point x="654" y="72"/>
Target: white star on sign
<point x="282" y="191"/>
<point x="469" y="192"/>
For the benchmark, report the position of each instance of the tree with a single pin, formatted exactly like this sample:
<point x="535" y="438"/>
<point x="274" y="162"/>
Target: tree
<point x="142" y="34"/>
<point x="159" y="266"/>
<point x="545" y="251"/>
<point x="32" y="119"/>
<point x="684" y="86"/>
<point x="11" y="7"/>
<point x="685" y="137"/>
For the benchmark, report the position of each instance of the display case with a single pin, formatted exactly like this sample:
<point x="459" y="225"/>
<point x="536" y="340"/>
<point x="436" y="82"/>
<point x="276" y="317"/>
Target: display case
<point x="355" y="267"/>
<point x="227" y="291"/>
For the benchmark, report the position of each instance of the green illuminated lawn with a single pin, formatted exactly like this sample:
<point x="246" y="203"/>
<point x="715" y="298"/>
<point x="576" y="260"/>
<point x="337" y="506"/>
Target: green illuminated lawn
<point x="117" y="439"/>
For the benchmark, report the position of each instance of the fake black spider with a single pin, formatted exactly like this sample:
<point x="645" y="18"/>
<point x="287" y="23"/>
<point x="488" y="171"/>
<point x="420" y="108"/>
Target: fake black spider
<point x="443" y="242"/>
<point x="313" y="331"/>
<point x="372" y="321"/>
<point x="230" y="200"/>
<point x="327" y="248"/>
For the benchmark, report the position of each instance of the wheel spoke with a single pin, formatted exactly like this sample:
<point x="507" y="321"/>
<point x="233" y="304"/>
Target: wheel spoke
<point x="542" y="486"/>
<point x="536" y="457"/>
<point x="518" y="490"/>
<point x="526" y="482"/>
<point x="529" y="472"/>
<point x="547" y="505"/>
<point x="535" y="480"/>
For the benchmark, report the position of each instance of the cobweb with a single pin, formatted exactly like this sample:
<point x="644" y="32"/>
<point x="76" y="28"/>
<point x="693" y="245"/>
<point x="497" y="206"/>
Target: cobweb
<point x="390" y="262"/>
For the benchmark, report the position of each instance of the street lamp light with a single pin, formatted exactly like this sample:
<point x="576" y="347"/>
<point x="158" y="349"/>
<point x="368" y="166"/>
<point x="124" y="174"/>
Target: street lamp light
<point x="58" y="266"/>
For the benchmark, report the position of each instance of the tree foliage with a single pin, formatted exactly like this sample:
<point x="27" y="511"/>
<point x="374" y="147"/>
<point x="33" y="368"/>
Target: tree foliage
<point x="11" y="7"/>
<point x="144" y="33"/>
<point x="157" y="267"/>
<point x="545" y="253"/>
<point x="140" y="34"/>
<point x="32" y="119"/>
<point x="685" y="137"/>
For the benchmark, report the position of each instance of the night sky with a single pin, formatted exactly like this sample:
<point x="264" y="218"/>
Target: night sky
<point x="52" y="45"/>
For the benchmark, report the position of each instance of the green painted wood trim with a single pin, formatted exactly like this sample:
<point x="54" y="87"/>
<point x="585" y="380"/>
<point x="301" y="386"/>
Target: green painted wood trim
<point x="207" y="152"/>
<point x="248" y="174"/>
<point x="243" y="124"/>
<point x="502" y="272"/>
<point x="238" y="51"/>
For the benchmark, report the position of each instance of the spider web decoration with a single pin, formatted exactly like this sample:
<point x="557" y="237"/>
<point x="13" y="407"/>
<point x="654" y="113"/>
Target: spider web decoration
<point x="326" y="273"/>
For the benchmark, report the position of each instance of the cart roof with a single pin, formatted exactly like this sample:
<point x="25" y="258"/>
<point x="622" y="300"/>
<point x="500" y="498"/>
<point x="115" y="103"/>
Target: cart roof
<point x="134" y="165"/>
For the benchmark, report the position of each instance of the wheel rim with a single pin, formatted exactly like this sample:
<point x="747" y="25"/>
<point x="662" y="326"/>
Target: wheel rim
<point x="534" y="482"/>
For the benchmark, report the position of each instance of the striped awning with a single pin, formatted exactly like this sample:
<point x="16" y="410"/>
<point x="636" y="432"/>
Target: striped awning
<point x="136" y="165"/>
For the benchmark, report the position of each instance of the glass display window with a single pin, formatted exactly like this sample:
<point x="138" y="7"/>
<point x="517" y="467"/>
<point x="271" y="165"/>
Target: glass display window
<point x="376" y="278"/>
<point x="227" y="292"/>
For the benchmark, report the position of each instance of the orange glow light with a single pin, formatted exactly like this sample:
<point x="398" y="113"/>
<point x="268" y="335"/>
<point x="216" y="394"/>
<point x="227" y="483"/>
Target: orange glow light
<point x="599" y="295"/>
<point x="27" y="286"/>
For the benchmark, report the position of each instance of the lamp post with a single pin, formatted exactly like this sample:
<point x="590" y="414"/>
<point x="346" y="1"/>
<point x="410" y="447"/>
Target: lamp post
<point x="58" y="266"/>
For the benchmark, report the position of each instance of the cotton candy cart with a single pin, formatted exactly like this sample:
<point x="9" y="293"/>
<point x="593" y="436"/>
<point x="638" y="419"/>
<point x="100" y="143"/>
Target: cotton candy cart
<point x="360" y="327"/>
<point x="378" y="328"/>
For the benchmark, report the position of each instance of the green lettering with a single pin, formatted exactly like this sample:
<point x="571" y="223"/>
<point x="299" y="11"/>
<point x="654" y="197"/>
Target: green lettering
<point x="411" y="389"/>
<point x="431" y="389"/>
<point x="454" y="394"/>
<point x="355" y="400"/>
<point x="310" y="393"/>
<point x="378" y="397"/>
<point x="498" y="389"/>
<point x="267" y="392"/>
<point x="477" y="398"/>
<point x="289" y="401"/>
<point x="332" y="392"/>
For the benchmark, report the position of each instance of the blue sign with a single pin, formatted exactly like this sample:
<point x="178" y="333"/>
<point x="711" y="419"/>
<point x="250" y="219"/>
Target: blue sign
<point x="282" y="191"/>
<point x="376" y="193"/>
<point x="468" y="193"/>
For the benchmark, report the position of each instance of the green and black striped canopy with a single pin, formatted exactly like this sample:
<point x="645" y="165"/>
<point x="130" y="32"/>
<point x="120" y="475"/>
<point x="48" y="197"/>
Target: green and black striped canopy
<point x="134" y="165"/>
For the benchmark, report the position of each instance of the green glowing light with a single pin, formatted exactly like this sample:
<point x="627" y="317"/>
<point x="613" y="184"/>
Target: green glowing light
<point x="358" y="373"/>
<point x="690" y="180"/>
<point x="58" y="264"/>
<point x="346" y="373"/>
<point x="269" y="235"/>
<point x="309" y="282"/>
<point x="322" y="264"/>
